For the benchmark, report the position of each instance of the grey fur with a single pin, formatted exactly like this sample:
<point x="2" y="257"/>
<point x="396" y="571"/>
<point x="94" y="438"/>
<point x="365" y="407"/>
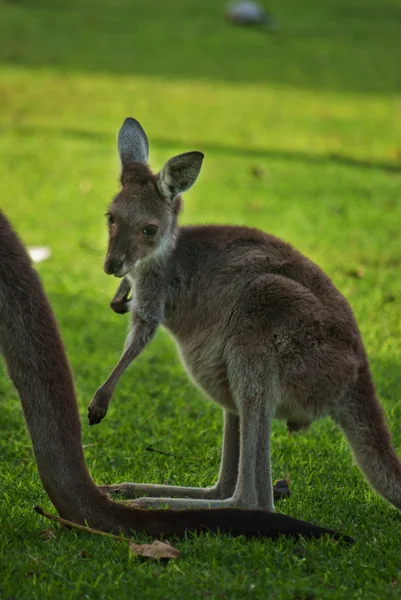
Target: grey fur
<point x="260" y="329"/>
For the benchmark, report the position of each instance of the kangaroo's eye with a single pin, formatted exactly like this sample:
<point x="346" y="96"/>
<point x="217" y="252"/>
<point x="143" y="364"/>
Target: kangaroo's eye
<point x="110" y="219"/>
<point x="150" y="230"/>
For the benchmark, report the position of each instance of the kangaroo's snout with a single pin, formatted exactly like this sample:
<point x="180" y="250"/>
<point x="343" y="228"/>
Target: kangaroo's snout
<point x="113" y="266"/>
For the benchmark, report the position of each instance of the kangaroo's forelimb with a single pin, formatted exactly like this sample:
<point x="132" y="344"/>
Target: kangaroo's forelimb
<point x="140" y="335"/>
<point x="32" y="348"/>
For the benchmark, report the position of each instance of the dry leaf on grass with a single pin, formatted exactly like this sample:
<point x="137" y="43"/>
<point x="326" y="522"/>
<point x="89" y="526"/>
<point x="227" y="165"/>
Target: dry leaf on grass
<point x="156" y="550"/>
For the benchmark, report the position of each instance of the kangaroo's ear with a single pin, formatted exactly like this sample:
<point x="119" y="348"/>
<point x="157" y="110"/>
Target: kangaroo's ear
<point x="132" y="143"/>
<point x="179" y="174"/>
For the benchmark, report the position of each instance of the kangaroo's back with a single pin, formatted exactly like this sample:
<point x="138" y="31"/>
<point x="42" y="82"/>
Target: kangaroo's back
<point x="214" y="266"/>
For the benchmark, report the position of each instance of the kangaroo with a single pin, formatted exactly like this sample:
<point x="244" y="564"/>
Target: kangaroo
<point x="32" y="348"/>
<point x="260" y="328"/>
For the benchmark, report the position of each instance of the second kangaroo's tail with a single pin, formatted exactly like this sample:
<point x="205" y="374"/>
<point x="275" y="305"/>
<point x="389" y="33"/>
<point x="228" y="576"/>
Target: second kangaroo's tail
<point x="363" y="421"/>
<point x="249" y="523"/>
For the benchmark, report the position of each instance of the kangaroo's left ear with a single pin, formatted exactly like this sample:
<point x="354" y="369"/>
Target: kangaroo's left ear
<point x="179" y="174"/>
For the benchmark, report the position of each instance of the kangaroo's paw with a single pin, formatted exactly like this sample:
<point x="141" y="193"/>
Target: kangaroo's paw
<point x="120" y="305"/>
<point x="121" y="302"/>
<point x="97" y="409"/>
<point x="96" y="414"/>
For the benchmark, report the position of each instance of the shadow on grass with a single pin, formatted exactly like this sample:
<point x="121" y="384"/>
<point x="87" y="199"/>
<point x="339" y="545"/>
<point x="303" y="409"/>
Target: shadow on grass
<point x="220" y="148"/>
<point x="330" y="45"/>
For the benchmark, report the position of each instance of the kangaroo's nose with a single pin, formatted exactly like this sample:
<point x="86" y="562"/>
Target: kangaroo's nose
<point x="113" y="265"/>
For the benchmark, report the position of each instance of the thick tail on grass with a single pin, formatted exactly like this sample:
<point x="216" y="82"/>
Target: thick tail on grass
<point x="363" y="421"/>
<point x="250" y="523"/>
<point x="257" y="523"/>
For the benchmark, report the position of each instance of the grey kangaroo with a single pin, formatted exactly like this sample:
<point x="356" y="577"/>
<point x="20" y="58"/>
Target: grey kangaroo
<point x="34" y="354"/>
<point x="259" y="327"/>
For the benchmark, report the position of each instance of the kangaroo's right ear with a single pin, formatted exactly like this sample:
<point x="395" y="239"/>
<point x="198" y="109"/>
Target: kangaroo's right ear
<point x="179" y="174"/>
<point x="132" y="143"/>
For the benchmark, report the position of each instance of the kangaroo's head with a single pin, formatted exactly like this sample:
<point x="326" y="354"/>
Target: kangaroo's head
<point x="142" y="218"/>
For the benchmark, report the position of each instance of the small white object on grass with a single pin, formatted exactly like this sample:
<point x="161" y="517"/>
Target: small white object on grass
<point x="39" y="253"/>
<point x="249" y="13"/>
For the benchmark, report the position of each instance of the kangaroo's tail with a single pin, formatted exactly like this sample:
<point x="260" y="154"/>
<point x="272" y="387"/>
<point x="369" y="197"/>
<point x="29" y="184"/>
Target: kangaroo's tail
<point x="363" y="421"/>
<point x="112" y="516"/>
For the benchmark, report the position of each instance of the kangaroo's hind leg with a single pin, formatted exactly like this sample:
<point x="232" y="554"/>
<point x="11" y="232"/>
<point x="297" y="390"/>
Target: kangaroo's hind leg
<point x="254" y="398"/>
<point x="224" y="487"/>
<point x="255" y="392"/>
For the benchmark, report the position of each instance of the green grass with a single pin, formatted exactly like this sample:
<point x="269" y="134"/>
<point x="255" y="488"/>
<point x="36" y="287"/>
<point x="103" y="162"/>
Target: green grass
<point x="317" y="107"/>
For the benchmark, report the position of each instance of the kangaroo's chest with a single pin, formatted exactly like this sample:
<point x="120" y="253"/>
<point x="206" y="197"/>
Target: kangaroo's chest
<point x="204" y="361"/>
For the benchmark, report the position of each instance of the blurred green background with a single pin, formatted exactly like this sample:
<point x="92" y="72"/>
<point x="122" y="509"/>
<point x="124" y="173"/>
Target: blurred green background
<point x="301" y="130"/>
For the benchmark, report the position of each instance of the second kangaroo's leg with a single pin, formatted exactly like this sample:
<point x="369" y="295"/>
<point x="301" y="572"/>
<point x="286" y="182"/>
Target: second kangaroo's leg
<point x="224" y="487"/>
<point x="363" y="421"/>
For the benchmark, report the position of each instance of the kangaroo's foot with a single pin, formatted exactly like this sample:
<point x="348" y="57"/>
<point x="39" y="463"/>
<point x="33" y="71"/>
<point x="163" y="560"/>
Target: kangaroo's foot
<point x="188" y="503"/>
<point x="136" y="490"/>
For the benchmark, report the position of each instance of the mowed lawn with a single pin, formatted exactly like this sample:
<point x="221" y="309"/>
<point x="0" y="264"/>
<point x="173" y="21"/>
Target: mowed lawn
<point x="301" y="131"/>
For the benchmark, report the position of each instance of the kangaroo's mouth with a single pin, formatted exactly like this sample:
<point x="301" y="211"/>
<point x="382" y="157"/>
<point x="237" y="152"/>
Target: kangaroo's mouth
<point x="120" y="273"/>
<point x="123" y="270"/>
